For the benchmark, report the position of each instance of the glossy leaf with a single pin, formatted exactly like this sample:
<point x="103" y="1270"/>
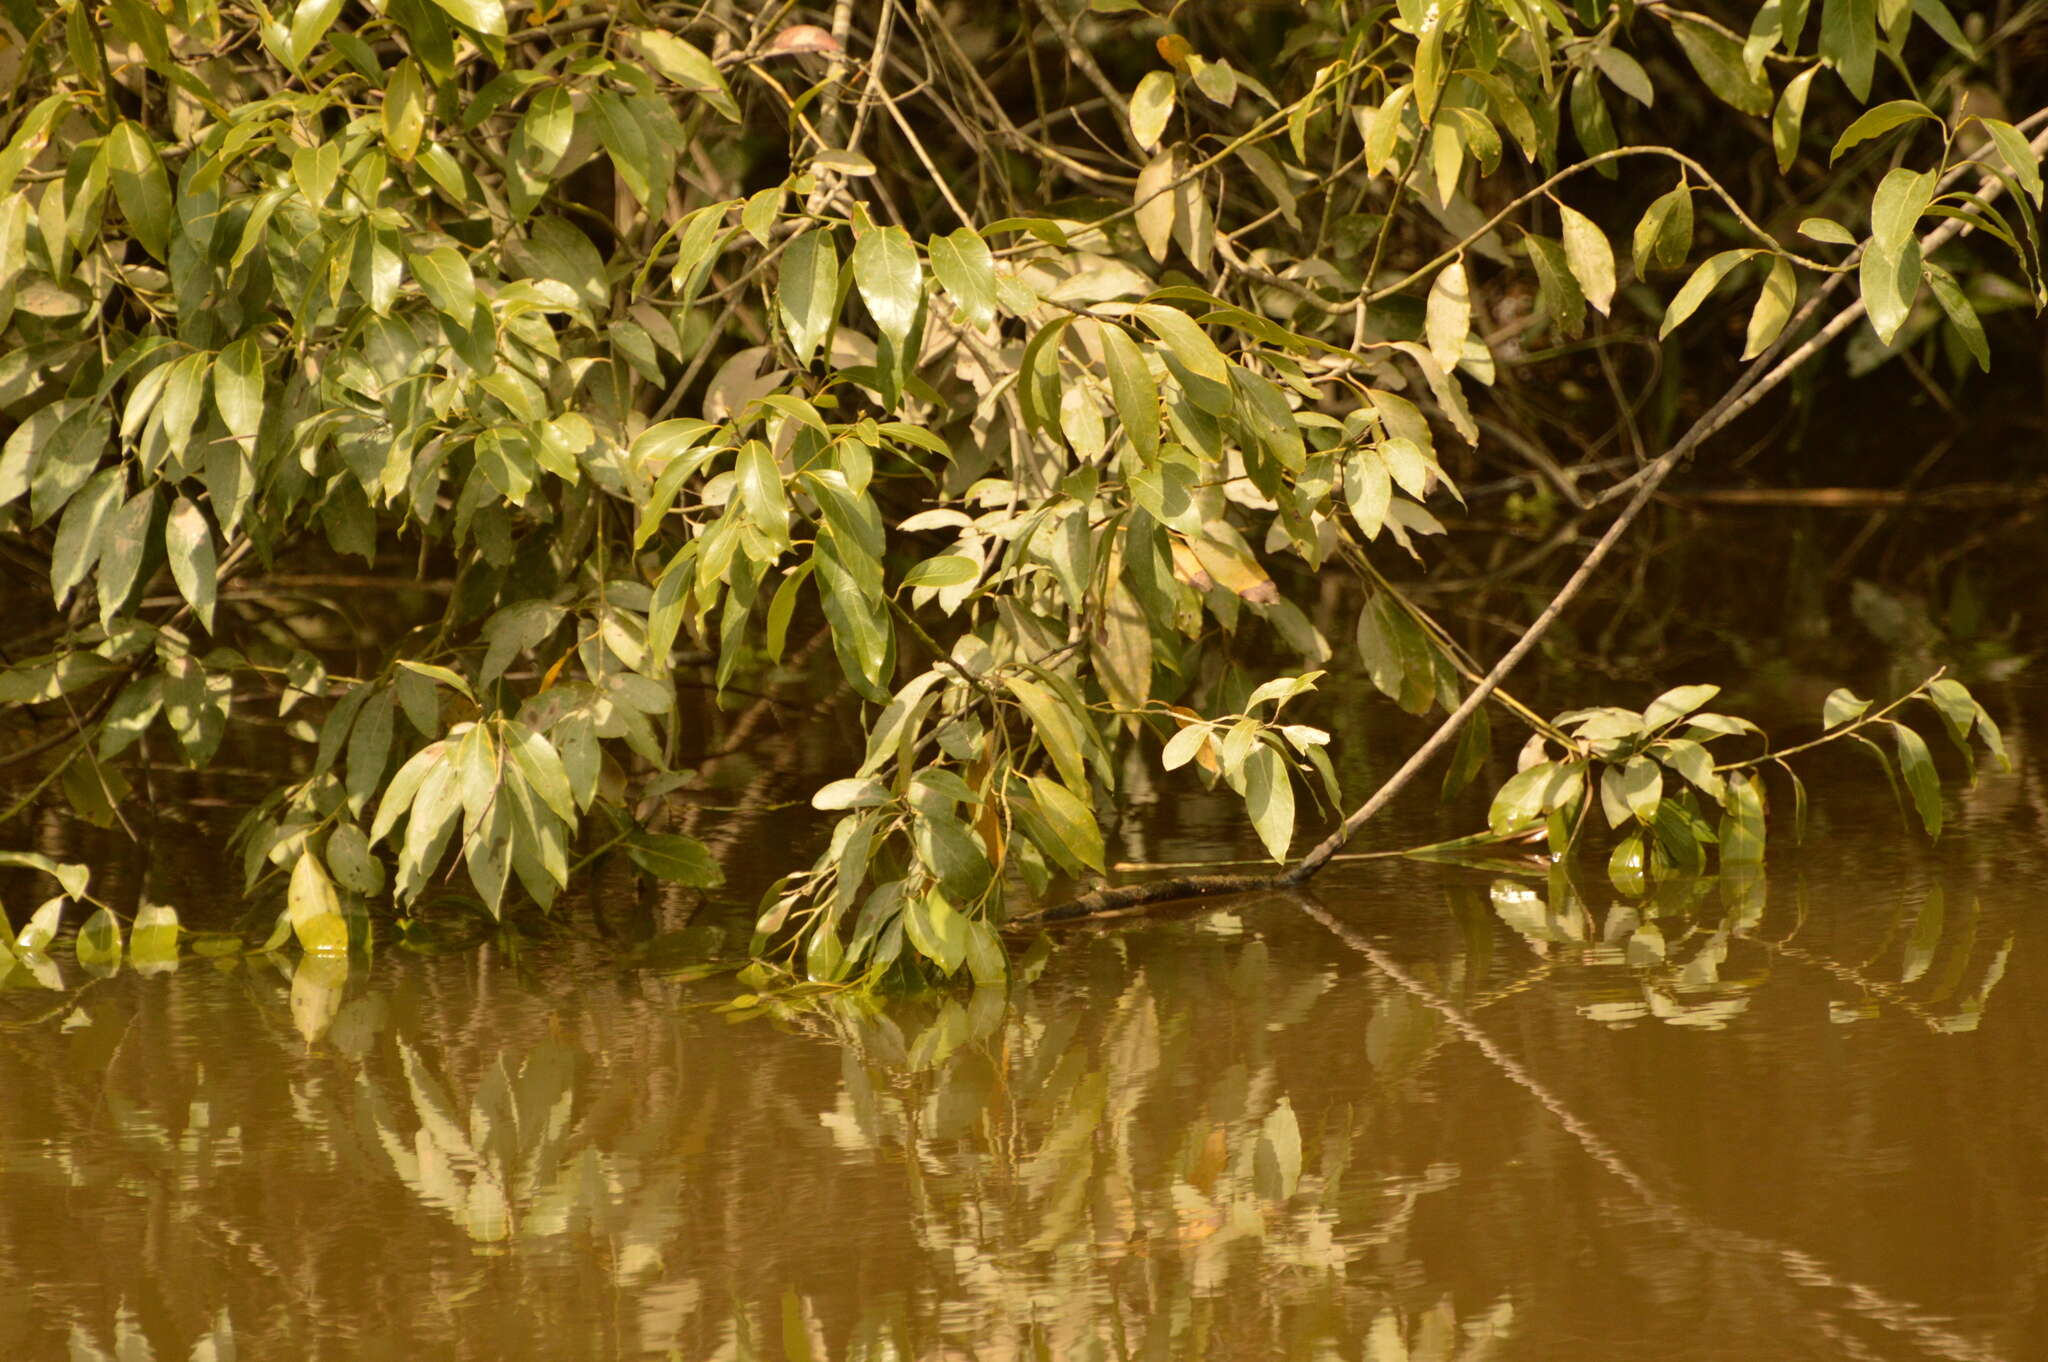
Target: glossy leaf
<point x="964" y="267"/>
<point x="886" y="268"/>
<point x="808" y="294"/>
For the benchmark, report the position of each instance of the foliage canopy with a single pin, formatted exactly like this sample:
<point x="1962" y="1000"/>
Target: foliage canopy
<point x="1044" y="354"/>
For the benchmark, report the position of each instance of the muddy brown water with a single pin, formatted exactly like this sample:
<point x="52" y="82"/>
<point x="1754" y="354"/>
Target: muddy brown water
<point x="1431" y="1114"/>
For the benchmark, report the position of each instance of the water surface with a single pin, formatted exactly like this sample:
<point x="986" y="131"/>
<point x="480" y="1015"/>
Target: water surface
<point x="1430" y="1113"/>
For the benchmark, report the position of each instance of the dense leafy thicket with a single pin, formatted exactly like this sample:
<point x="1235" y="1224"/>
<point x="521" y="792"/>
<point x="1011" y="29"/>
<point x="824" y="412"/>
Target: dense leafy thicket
<point x="1041" y="353"/>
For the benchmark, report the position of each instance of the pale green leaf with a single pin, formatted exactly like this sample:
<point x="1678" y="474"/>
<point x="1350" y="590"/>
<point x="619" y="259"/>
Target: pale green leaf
<point x="1773" y="308"/>
<point x="1448" y="314"/>
<point x="188" y="543"/>
<point x="951" y="569"/>
<point x="1151" y="106"/>
<point x="1840" y="707"/>
<point x="1878" y="121"/>
<point x="1889" y="284"/>
<point x="1269" y="800"/>
<point x="315" y="909"/>
<point x="485" y="16"/>
<point x="1591" y="258"/>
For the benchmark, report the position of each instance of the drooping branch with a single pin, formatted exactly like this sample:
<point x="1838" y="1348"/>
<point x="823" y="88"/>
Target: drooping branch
<point x="1760" y="377"/>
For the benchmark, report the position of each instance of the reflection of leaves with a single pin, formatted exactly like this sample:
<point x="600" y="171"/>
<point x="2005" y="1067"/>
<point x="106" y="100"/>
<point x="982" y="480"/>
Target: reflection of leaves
<point x="317" y="985"/>
<point x="505" y="1150"/>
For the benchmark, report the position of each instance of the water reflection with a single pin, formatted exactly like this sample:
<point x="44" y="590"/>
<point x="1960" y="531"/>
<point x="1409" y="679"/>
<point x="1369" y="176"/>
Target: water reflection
<point x="1434" y="1115"/>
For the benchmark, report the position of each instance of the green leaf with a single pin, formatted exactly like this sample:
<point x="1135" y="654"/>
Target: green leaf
<point x="807" y="295"/>
<point x="1368" y="490"/>
<point x="314" y="172"/>
<point x="1742" y="829"/>
<point x="1591" y="258"/>
<point x="1773" y="308"/>
<point x="1132" y="388"/>
<point x="1071" y="820"/>
<point x="440" y="676"/>
<point x="355" y="867"/>
<point x="861" y="635"/>
<point x="2013" y="146"/>
<point x="1626" y="72"/>
<point x="1889" y="285"/>
<point x="80" y="533"/>
<point x="485" y="16"/>
<point x="121" y="556"/>
<point x="405" y="786"/>
<point x="153" y="941"/>
<point x="1592" y="121"/>
<point x="136" y="173"/>
<point x="1152" y="202"/>
<point x="1895" y="210"/>
<point x="238" y="387"/>
<point x="1269" y="799"/>
<point x="315" y="909"/>
<point x="1848" y="42"/>
<point x="1692" y="761"/>
<point x="761" y="492"/>
<point x="1641" y="787"/>
<point x="936" y="930"/>
<point x="1448" y="314"/>
<point x="405" y="110"/>
<point x="1963" y="317"/>
<point x="948" y="569"/>
<point x="444" y="276"/>
<point x="1530" y="794"/>
<point x="188" y="543"/>
<point x="98" y="945"/>
<point x="369" y="748"/>
<point x="965" y="268"/>
<point x="1840" y="707"/>
<point x="1958" y="709"/>
<point x="690" y="68"/>
<point x="1718" y="60"/>
<point x="676" y="858"/>
<point x="1827" y="230"/>
<point x="1789" y="116"/>
<point x="1663" y="238"/>
<point x="65" y="451"/>
<point x="1917" y="766"/>
<point x="1695" y="290"/>
<point x="1878" y="121"/>
<point x="543" y="770"/>
<point x="886" y="270"/>
<point x="310" y="22"/>
<point x="1057" y="728"/>
<point x="1625" y="864"/>
<point x="1195" y="352"/>
<point x="1151" y="106"/>
<point x="38" y="932"/>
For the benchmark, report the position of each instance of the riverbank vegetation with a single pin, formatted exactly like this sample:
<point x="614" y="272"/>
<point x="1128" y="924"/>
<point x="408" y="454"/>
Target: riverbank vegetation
<point x="1085" y="382"/>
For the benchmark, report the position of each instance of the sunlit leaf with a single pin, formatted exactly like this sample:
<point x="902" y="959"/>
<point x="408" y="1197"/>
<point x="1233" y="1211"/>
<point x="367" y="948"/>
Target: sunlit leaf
<point x="1151" y="105"/>
<point x="1878" y="121"/>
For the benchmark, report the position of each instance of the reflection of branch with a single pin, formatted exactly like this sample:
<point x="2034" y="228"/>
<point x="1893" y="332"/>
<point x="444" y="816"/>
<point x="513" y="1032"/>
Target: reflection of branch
<point x="1849" y="974"/>
<point x="1898" y="1316"/>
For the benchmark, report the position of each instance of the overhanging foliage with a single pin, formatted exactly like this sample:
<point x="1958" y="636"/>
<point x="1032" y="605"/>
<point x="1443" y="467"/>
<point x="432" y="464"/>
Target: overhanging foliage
<point x="1042" y="354"/>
